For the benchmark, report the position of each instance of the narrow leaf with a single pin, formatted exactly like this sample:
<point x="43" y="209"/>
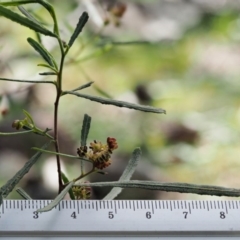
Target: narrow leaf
<point x="56" y="201"/>
<point x="9" y="186"/>
<point x="47" y="73"/>
<point x="127" y="174"/>
<point x="51" y="11"/>
<point x="16" y="3"/>
<point x="84" y="134"/>
<point x="46" y="5"/>
<point x="83" y="86"/>
<point x="65" y="181"/>
<point x="81" y="23"/>
<point x="15" y="17"/>
<point x="42" y="51"/>
<point x="48" y="66"/>
<point x="29" y="117"/>
<point x="28" y="15"/>
<point x="23" y="194"/>
<point x="170" y="187"/>
<point x="118" y="103"/>
<point x="85" y="129"/>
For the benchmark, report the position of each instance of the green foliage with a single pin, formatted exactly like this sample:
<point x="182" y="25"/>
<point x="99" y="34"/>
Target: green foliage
<point x="23" y="194"/>
<point x="15" y="17"/>
<point x="170" y="187"/>
<point x="56" y="201"/>
<point x="66" y="181"/>
<point x="43" y="52"/>
<point x="117" y="103"/>
<point x="10" y="185"/>
<point x="127" y="174"/>
<point x="81" y="23"/>
<point x="27" y="14"/>
<point x="98" y="154"/>
<point x="85" y="129"/>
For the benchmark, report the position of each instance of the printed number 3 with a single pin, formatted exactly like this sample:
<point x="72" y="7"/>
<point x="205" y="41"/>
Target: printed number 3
<point x="35" y="215"/>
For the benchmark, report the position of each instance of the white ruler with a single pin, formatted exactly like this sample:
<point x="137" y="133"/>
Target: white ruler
<point x="120" y="219"/>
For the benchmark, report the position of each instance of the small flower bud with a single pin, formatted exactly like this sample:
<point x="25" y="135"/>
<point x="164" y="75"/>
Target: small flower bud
<point x="82" y="192"/>
<point x="112" y="143"/>
<point x="17" y="124"/>
<point x="118" y="9"/>
<point x="82" y="151"/>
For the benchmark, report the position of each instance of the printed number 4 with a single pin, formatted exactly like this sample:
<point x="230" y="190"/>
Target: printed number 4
<point x="74" y="216"/>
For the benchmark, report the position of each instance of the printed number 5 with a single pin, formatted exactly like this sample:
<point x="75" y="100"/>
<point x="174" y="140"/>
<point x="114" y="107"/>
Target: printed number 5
<point x="110" y="215"/>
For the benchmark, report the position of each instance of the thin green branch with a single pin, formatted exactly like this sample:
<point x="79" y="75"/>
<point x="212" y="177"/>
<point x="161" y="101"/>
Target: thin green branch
<point x="85" y="174"/>
<point x="171" y="187"/>
<point x="117" y="103"/>
<point x="61" y="154"/>
<point x="14" y="133"/>
<point x="25" y="81"/>
<point x="41" y="132"/>
<point x="95" y="54"/>
<point x="129" y="43"/>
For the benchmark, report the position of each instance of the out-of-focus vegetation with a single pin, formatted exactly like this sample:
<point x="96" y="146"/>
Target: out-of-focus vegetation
<point x="192" y="71"/>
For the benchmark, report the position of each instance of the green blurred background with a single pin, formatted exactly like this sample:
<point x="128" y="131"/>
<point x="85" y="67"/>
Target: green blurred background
<point x="185" y="59"/>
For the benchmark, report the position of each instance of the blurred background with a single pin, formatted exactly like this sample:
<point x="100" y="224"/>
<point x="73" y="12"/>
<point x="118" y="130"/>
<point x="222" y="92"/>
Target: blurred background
<point x="179" y="55"/>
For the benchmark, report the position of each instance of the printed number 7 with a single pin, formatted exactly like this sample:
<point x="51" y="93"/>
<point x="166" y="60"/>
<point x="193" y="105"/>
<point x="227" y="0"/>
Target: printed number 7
<point x="185" y="214"/>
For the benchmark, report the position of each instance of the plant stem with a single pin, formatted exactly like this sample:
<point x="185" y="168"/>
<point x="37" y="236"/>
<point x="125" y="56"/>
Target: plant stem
<point x="85" y="174"/>
<point x="56" y="104"/>
<point x="14" y="133"/>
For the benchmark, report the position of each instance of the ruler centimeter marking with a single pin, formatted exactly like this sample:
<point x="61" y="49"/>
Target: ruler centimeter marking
<point x="84" y="217"/>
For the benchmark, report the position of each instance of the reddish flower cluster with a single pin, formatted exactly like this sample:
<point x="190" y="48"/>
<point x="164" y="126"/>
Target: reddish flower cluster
<point x="99" y="153"/>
